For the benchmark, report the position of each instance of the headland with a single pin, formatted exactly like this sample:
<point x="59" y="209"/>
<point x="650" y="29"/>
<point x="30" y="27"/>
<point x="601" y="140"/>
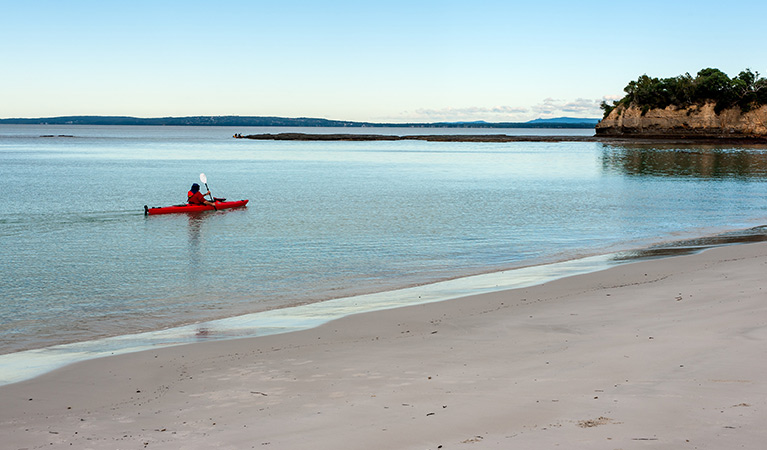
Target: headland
<point x="710" y="105"/>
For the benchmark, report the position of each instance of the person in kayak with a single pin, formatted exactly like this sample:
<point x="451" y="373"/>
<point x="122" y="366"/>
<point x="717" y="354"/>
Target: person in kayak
<point x="195" y="197"/>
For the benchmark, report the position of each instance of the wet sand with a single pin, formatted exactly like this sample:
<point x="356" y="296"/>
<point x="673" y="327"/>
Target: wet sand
<point x="666" y="353"/>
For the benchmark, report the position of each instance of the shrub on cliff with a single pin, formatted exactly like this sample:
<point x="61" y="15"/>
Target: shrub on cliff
<point x="747" y="90"/>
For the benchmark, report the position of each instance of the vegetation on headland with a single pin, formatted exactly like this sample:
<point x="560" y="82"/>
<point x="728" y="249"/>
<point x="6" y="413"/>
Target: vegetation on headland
<point x="261" y="121"/>
<point x="746" y="91"/>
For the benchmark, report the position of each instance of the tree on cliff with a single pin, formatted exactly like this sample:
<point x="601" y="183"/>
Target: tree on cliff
<point x="747" y="90"/>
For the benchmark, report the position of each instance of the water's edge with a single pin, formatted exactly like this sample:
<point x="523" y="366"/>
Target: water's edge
<point x="24" y="365"/>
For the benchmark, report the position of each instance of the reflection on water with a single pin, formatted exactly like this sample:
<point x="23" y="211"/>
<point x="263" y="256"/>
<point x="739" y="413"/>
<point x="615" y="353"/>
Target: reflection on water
<point x="195" y="230"/>
<point x="701" y="161"/>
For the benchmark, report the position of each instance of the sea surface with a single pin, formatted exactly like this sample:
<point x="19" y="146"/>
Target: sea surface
<point x="84" y="272"/>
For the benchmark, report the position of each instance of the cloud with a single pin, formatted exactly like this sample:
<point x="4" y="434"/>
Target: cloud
<point x="470" y="113"/>
<point x="582" y="107"/>
<point x="547" y="108"/>
<point x="490" y="110"/>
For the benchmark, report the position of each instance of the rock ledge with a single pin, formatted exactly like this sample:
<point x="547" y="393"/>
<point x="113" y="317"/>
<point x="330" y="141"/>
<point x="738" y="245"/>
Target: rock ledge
<point x="693" y="122"/>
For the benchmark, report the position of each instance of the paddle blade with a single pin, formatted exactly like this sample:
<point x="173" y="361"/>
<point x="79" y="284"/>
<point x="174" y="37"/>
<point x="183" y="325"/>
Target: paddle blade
<point x="203" y="178"/>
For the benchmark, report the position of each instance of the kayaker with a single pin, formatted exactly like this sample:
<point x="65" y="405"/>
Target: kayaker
<point x="195" y="197"/>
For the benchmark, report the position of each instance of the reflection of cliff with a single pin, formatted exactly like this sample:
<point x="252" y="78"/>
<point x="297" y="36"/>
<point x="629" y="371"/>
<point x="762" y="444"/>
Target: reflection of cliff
<point x="695" y="121"/>
<point x="698" y="162"/>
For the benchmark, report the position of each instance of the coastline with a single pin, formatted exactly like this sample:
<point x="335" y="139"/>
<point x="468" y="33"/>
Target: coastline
<point x="666" y="352"/>
<point x="27" y="364"/>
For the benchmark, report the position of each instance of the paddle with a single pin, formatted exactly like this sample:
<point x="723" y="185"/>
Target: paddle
<point x="204" y="179"/>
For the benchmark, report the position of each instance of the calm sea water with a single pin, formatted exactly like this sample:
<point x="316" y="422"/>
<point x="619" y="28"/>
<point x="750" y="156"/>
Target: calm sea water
<point x="80" y="261"/>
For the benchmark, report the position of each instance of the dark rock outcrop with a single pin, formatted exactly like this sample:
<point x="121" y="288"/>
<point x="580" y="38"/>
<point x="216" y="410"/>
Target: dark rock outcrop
<point x="429" y="137"/>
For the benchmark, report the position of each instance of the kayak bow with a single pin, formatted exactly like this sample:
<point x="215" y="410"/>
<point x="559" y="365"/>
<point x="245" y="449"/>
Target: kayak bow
<point x="187" y="208"/>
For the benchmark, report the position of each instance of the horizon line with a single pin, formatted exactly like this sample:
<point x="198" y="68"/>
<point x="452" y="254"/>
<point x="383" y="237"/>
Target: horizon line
<point x="341" y="122"/>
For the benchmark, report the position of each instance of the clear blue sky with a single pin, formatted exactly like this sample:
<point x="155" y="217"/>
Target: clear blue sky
<point x="385" y="61"/>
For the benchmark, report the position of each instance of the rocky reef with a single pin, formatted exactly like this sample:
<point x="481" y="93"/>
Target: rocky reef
<point x="694" y="122"/>
<point x="428" y="137"/>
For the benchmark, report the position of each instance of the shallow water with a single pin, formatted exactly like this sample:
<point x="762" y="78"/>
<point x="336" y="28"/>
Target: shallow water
<point x="326" y="219"/>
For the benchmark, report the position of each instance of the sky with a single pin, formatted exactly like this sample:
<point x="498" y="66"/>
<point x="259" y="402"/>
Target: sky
<point x="382" y="61"/>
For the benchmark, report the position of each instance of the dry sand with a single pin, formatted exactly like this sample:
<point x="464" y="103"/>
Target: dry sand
<point x="665" y="354"/>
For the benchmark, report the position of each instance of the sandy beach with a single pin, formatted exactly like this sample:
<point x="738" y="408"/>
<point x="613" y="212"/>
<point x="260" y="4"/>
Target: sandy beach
<point x="668" y="353"/>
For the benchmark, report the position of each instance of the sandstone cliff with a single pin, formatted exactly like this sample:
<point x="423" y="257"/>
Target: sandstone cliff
<point x="693" y="122"/>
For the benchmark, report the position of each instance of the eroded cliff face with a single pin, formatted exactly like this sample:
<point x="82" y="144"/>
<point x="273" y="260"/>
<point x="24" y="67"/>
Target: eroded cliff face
<point x="696" y="121"/>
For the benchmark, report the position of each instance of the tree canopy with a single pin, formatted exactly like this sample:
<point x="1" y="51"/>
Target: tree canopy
<point x="747" y="90"/>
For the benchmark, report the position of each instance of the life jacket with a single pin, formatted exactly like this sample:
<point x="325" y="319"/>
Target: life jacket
<point x="190" y="194"/>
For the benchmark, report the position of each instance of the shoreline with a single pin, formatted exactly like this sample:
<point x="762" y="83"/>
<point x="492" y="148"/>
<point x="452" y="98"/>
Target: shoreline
<point x="664" y="352"/>
<point x="606" y="139"/>
<point x="28" y="364"/>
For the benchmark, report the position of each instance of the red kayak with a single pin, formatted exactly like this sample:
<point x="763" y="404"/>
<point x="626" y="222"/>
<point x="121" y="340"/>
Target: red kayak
<point x="187" y="208"/>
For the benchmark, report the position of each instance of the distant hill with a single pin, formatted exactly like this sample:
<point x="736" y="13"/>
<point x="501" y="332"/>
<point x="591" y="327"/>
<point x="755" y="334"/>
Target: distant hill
<point x="258" y="121"/>
<point x="238" y="121"/>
